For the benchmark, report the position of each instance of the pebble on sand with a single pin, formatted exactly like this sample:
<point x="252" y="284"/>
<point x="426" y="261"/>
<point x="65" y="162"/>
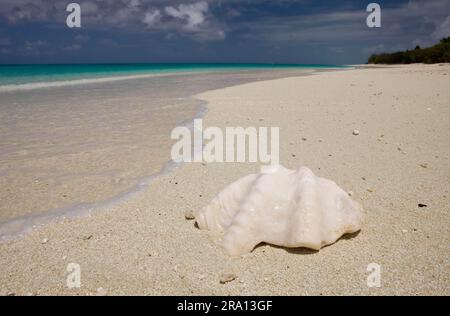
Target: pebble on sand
<point x="101" y="292"/>
<point x="189" y="215"/>
<point x="227" y="277"/>
<point x="44" y="241"/>
<point x="201" y="276"/>
<point x="355" y="132"/>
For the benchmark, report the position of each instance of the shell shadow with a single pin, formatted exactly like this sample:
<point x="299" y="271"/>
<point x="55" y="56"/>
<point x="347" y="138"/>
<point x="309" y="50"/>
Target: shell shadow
<point x="301" y="251"/>
<point x="297" y="251"/>
<point x="306" y="251"/>
<point x="349" y="236"/>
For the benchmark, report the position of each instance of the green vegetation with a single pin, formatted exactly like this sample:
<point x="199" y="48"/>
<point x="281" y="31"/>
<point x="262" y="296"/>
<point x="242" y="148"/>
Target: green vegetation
<point x="439" y="53"/>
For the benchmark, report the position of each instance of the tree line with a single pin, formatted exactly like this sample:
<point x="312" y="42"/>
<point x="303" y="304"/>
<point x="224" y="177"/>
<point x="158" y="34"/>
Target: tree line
<point x="439" y="53"/>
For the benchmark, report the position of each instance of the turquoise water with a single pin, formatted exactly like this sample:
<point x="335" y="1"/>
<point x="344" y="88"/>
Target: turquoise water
<point x="22" y="74"/>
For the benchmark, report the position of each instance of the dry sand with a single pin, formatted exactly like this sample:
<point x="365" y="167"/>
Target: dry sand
<point x="399" y="159"/>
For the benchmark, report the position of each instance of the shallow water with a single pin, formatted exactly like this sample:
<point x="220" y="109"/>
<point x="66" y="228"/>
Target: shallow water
<point x="63" y="147"/>
<point x="32" y="75"/>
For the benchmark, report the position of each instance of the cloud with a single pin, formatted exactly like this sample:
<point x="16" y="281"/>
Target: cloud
<point x="34" y="45"/>
<point x="5" y="51"/>
<point x="135" y="3"/>
<point x="442" y="30"/>
<point x="108" y="42"/>
<point x="151" y="18"/>
<point x="193" y="15"/>
<point x="5" y="42"/>
<point x="417" y="20"/>
<point x="189" y="18"/>
<point x="197" y="20"/>
<point x="73" y="47"/>
<point x="81" y="38"/>
<point x="19" y="11"/>
<point x="89" y="8"/>
<point x="211" y="35"/>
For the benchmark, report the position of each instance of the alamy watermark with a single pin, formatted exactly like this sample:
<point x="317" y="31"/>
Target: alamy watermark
<point x="374" y="277"/>
<point x="234" y="144"/>
<point x="74" y="17"/>
<point x="374" y="18"/>
<point x="73" y="279"/>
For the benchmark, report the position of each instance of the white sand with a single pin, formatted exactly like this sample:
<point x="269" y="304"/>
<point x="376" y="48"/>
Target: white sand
<point x="145" y="246"/>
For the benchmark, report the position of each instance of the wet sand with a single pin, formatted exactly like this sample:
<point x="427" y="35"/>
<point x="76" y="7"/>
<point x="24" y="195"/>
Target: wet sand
<point x="75" y="147"/>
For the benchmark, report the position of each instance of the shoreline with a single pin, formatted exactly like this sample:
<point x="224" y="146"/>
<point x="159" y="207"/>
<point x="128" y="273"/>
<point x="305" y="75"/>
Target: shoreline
<point x="19" y="227"/>
<point x="33" y="85"/>
<point x="146" y="246"/>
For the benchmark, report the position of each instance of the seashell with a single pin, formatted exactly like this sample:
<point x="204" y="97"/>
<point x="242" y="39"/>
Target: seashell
<point x="290" y="208"/>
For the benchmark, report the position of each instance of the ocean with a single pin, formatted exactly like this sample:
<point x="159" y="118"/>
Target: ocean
<point x="26" y="74"/>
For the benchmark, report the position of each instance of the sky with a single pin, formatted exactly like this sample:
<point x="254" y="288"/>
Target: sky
<point x="219" y="31"/>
